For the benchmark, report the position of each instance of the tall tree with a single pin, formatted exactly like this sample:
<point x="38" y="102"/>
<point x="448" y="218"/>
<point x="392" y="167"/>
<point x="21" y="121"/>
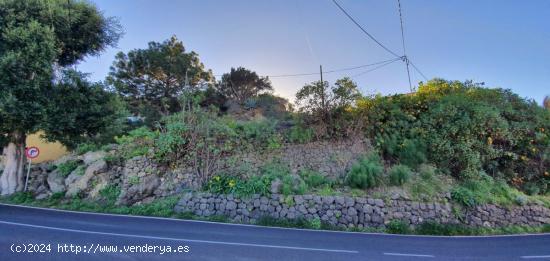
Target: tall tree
<point x="313" y="98"/>
<point x="242" y="84"/>
<point x="546" y="102"/>
<point x="345" y="92"/>
<point x="36" y="39"/>
<point x="319" y="99"/>
<point x="156" y="76"/>
<point x="321" y="102"/>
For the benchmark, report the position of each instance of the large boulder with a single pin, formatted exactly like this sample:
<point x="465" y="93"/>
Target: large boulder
<point x="93" y="156"/>
<point x="102" y="181"/>
<point x="135" y="189"/>
<point x="76" y="182"/>
<point x="56" y="182"/>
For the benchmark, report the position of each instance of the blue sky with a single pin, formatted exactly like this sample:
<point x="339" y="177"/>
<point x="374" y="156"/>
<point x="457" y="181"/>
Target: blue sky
<point x="502" y="43"/>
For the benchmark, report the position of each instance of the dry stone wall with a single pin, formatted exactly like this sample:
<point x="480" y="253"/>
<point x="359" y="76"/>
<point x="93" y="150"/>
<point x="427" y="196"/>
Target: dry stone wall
<point x="349" y="212"/>
<point x="331" y="159"/>
<point x="141" y="179"/>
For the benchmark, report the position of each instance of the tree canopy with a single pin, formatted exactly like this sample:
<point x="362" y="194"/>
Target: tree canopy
<point x="324" y="104"/>
<point x="35" y="37"/>
<point x="96" y="110"/>
<point x="157" y="75"/>
<point x="38" y="40"/>
<point x="319" y="98"/>
<point x="242" y="84"/>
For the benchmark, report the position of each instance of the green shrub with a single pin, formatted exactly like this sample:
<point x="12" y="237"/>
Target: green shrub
<point x="315" y="223"/>
<point x="275" y="142"/>
<point x="398" y="227"/>
<point x="457" y="129"/>
<point x="293" y="185"/>
<point x="412" y="153"/>
<point x="399" y="174"/>
<point x="86" y="147"/>
<point x="313" y="179"/>
<point x="225" y="184"/>
<point x="366" y="173"/>
<point x="20" y="198"/>
<point x="114" y="159"/>
<point x="327" y="190"/>
<point x="464" y="196"/>
<point x="254" y="185"/>
<point x="465" y="129"/>
<point x="485" y="190"/>
<point x="433" y="228"/>
<point x="427" y="184"/>
<point x="163" y="207"/>
<point x="136" y="143"/>
<point x="257" y="132"/>
<point x="275" y="169"/>
<point x="67" y="167"/>
<point x="110" y="192"/>
<point x="299" y="134"/>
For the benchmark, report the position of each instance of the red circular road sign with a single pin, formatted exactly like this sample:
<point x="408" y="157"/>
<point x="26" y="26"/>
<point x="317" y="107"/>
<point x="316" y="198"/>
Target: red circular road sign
<point x="32" y="152"/>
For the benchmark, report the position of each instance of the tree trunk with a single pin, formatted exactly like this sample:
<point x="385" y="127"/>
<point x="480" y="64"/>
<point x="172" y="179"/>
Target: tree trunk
<point x="14" y="165"/>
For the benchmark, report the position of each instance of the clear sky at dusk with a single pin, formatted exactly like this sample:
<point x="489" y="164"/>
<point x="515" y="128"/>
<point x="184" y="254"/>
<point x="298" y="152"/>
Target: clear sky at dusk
<point x="502" y="43"/>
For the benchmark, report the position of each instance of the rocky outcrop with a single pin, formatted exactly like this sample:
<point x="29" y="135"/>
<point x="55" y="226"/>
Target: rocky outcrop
<point x="350" y="212"/>
<point x="56" y="182"/>
<point x="77" y="182"/>
<point x="140" y="179"/>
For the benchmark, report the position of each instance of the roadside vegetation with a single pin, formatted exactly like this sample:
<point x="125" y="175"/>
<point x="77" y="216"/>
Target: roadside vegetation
<point x="448" y="137"/>
<point x="477" y="144"/>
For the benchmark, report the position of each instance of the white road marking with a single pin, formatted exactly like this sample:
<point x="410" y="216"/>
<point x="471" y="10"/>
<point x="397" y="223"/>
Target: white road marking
<point x="181" y="239"/>
<point x="534" y="257"/>
<point x="404" y="254"/>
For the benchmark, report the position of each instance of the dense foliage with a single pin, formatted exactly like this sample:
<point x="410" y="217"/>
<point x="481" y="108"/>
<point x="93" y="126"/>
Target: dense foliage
<point x="38" y="41"/>
<point x="242" y="84"/>
<point x="328" y="108"/>
<point x="152" y="79"/>
<point x="492" y="142"/>
<point x="367" y="173"/>
<point x="466" y="130"/>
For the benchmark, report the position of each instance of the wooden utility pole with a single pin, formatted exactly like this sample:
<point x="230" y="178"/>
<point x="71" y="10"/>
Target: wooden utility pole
<point x="322" y="92"/>
<point x="323" y="98"/>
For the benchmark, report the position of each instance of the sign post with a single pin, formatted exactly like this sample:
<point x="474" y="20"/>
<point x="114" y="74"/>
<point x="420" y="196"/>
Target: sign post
<point x="31" y="153"/>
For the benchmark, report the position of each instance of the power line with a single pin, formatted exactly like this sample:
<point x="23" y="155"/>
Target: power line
<point x="405" y="58"/>
<point x="374" y="69"/>
<point x="418" y="70"/>
<point x="363" y="29"/>
<point x="330" y="71"/>
<point x="363" y="66"/>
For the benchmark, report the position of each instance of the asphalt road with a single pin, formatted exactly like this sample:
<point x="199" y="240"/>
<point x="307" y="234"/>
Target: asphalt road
<point x="50" y="234"/>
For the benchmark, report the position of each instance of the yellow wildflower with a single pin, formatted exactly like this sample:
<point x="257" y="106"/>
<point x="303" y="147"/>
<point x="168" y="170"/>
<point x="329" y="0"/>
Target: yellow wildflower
<point x="523" y="157"/>
<point x="490" y="141"/>
<point x="231" y="183"/>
